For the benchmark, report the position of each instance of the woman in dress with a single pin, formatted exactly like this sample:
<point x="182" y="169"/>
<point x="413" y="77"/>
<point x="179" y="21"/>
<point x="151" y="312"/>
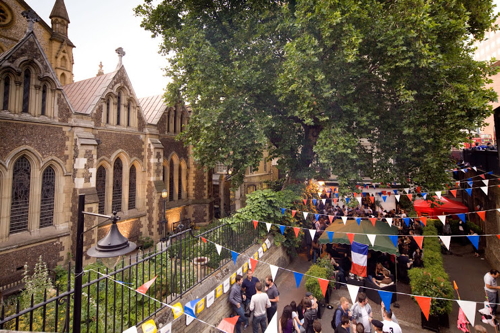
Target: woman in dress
<point x="286" y="323"/>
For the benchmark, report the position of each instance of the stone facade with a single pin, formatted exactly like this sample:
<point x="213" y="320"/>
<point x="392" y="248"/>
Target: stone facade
<point x="60" y="139"/>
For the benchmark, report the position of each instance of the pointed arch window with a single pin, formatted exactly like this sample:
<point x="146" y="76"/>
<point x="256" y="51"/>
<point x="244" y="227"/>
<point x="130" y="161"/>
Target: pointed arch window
<point x="119" y="109"/>
<point x="128" y="113"/>
<point x="6" y="92"/>
<point x="26" y="91"/>
<point x="171" y="181"/>
<point x="47" y="199"/>
<point x="116" y="202"/>
<point x="101" y="188"/>
<point x="179" y="180"/>
<point x="175" y="121"/>
<point x="44" y="100"/>
<point x="132" y="187"/>
<point x="108" y="109"/>
<point x="21" y="183"/>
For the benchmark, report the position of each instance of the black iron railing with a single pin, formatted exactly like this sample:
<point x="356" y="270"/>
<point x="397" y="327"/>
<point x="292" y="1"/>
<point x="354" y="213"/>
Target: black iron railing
<point x="109" y="300"/>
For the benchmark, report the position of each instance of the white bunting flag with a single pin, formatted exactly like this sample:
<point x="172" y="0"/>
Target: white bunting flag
<point x="389" y="221"/>
<point x="359" y="199"/>
<point x="424" y="196"/>
<point x="189" y="320"/>
<point x="469" y="308"/>
<point x="274" y="271"/>
<point x="344" y="219"/>
<point x="312" y="232"/>
<point x="486" y="181"/>
<point x="397" y="196"/>
<point x="371" y="238"/>
<point x="353" y="292"/>
<point x="475" y="169"/>
<point x="498" y="210"/>
<point x="446" y="241"/>
<point x="268" y="226"/>
<point x="305" y="215"/>
<point x="438" y="194"/>
<point x="442" y="218"/>
<point x="323" y="201"/>
<point x="218" y="248"/>
<point x="485" y="189"/>
<point x="407" y="190"/>
<point x="273" y="324"/>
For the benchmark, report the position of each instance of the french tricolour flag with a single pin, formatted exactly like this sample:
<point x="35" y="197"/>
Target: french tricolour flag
<point x="359" y="254"/>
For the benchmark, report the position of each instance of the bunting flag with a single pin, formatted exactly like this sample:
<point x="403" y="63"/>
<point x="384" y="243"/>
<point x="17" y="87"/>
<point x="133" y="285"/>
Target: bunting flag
<point x="296" y="230"/>
<point x="454" y="193"/>
<point x="298" y="278"/>
<point x="474" y="239"/>
<point x="305" y="215"/>
<point x="384" y="197"/>
<point x="373" y="220"/>
<point x="304" y="201"/>
<point x="486" y="181"/>
<point x="189" y="307"/>
<point x="330" y="217"/>
<point x="372" y="199"/>
<point x="485" y="189"/>
<point x="323" y="201"/>
<point x="407" y="221"/>
<point x="470" y="183"/>
<point x="144" y="288"/>
<point x="283" y="211"/>
<point x="359" y="256"/>
<point x="469" y="191"/>
<point x="353" y="292"/>
<point x="203" y="239"/>
<point x="423" y="219"/>
<point x="253" y="264"/>
<point x="316" y="217"/>
<point x="389" y="221"/>
<point x="344" y="219"/>
<point x="425" y="305"/>
<point x="394" y="239"/>
<point x="234" y="255"/>
<point x="395" y="192"/>
<point x="469" y="309"/>
<point x="455" y="286"/>
<point x="446" y="241"/>
<point x="274" y="271"/>
<point x="371" y="238"/>
<point x="330" y="235"/>
<point x="397" y="196"/>
<point x="314" y="201"/>
<point x="442" y="218"/>
<point x="273" y="324"/>
<point x="293" y="213"/>
<point x="407" y="190"/>
<point x="255" y="223"/>
<point x="218" y="247"/>
<point x="461" y="216"/>
<point x="410" y="196"/>
<point x="268" y="226"/>
<point x="358" y="220"/>
<point x="424" y="195"/>
<point x="419" y="240"/>
<point x="482" y="215"/>
<point x="282" y="229"/>
<point x="359" y="199"/>
<point x="350" y="236"/>
<point x="386" y="297"/>
<point x="312" y="232"/>
<point x="323" y="284"/>
<point x="347" y="200"/>
<point x="438" y="194"/>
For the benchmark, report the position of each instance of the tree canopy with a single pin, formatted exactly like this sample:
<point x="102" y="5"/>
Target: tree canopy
<point x="378" y="88"/>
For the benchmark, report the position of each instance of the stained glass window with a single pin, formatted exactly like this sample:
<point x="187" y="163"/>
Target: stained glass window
<point x="132" y="187"/>
<point x="116" y="204"/>
<point x="26" y="91"/>
<point x="6" y="92"/>
<point x="47" y="199"/>
<point x="171" y="181"/>
<point x="44" y="100"/>
<point x="21" y="182"/>
<point x="101" y="188"/>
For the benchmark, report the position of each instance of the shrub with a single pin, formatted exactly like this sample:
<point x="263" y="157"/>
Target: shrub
<point x="312" y="284"/>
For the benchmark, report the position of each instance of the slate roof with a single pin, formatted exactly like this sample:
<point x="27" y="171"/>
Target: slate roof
<point x="152" y="108"/>
<point x="84" y="95"/>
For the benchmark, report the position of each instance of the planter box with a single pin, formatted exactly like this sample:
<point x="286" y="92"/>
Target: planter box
<point x="435" y="322"/>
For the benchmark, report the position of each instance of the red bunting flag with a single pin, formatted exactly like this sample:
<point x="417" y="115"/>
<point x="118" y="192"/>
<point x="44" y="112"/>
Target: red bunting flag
<point x="423" y="219"/>
<point x="419" y="240"/>
<point x="330" y="217"/>
<point x="410" y="196"/>
<point x="144" y="288"/>
<point x="425" y="305"/>
<point x="373" y="220"/>
<point x="328" y="195"/>
<point x="253" y="264"/>
<point x="255" y="223"/>
<point x="304" y="201"/>
<point x="482" y="215"/>
<point x="296" y="230"/>
<point x="454" y="192"/>
<point x="498" y="236"/>
<point x="335" y="200"/>
<point x="355" y="194"/>
<point x="482" y="176"/>
<point x="203" y="239"/>
<point x="372" y="199"/>
<point x="323" y="284"/>
<point x="418" y="189"/>
<point x="350" y="237"/>
<point x="293" y="213"/>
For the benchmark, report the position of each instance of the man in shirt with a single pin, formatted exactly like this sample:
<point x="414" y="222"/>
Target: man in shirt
<point x="236" y="300"/>
<point x="274" y="297"/>
<point x="344" y="325"/>
<point x="344" y="311"/>
<point x="249" y="285"/>
<point x="362" y="313"/>
<point x="491" y="289"/>
<point x="259" y="305"/>
<point x="389" y="324"/>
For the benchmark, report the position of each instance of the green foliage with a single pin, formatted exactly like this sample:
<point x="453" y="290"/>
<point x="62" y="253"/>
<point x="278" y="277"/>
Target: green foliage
<point x="311" y="277"/>
<point x="356" y="88"/>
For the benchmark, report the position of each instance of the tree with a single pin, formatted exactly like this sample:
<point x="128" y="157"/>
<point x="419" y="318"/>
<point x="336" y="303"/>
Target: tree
<point x="377" y="88"/>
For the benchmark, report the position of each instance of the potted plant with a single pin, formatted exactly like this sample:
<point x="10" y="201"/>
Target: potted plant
<point x="319" y="270"/>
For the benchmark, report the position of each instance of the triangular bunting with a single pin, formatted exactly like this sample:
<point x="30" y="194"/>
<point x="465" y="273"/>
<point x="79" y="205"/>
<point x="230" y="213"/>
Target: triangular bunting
<point x="485" y="189"/>
<point x="330" y="218"/>
<point x="423" y="219"/>
<point x="344" y="219"/>
<point x="373" y="220"/>
<point x="350" y="237"/>
<point x="314" y="201"/>
<point x="438" y="194"/>
<point x="486" y="182"/>
<point x="410" y="196"/>
<point x="316" y="217"/>
<point x="384" y="197"/>
<point x="482" y="214"/>
<point x="234" y="255"/>
<point x="298" y="278"/>
<point x="323" y="201"/>
<point x="282" y="229"/>
<point x="424" y="195"/>
<point x="203" y="239"/>
<point x="419" y="240"/>
<point x="386" y="297"/>
<point x="442" y="218"/>
<point x="296" y="230"/>
<point x="469" y="308"/>
<point x="347" y="200"/>
<point x="323" y="284"/>
<point x="144" y="288"/>
<point x="407" y="189"/>
<point x="461" y="216"/>
<point x="389" y="221"/>
<point x="397" y="196"/>
<point x="218" y="247"/>
<point x="255" y="223"/>
<point x="407" y="221"/>
<point x="312" y="232"/>
<point x="283" y="211"/>
<point x="293" y="213"/>
<point x="353" y="292"/>
<point x="359" y="199"/>
<point x="469" y="191"/>
<point x="470" y="183"/>
<point x="454" y="193"/>
<point x="253" y="264"/>
<point x="394" y="240"/>
<point x="372" y="199"/>
<point x="446" y="241"/>
<point x="358" y="220"/>
<point x="273" y="324"/>
<point x="304" y="201"/>
<point x="474" y="239"/>
<point x="330" y="236"/>
<point x="305" y="215"/>
<point x="371" y="238"/>
<point x="274" y="271"/>
<point x="268" y="226"/>
<point x="425" y="305"/>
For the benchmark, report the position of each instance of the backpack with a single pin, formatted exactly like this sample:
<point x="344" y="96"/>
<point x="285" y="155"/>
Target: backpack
<point x="334" y="326"/>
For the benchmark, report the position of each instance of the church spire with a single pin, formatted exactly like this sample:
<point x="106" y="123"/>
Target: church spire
<point x="60" y="18"/>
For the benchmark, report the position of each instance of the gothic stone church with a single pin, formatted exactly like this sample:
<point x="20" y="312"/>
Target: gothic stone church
<point x="60" y="139"/>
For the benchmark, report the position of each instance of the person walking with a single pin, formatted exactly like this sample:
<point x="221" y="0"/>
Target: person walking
<point x="362" y="313"/>
<point x="286" y="324"/>
<point x="491" y="289"/>
<point x="274" y="297"/>
<point x="389" y="324"/>
<point x="259" y="304"/>
<point x="236" y="300"/>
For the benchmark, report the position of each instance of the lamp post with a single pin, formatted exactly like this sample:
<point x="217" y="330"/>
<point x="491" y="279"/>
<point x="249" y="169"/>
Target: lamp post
<point x="164" y="221"/>
<point x="112" y="245"/>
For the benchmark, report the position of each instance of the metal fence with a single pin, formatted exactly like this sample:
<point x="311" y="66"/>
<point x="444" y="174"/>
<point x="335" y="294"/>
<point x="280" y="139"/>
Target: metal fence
<point x="109" y="300"/>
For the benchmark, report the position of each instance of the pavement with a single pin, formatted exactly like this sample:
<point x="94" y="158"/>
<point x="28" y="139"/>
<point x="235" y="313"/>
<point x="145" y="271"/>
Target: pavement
<point x="462" y="266"/>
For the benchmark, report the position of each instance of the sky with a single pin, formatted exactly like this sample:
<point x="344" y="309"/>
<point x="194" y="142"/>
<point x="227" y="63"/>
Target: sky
<point x="97" y="28"/>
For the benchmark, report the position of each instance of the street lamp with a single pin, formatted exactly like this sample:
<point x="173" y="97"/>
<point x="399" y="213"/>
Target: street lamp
<point x="164" y="221"/>
<point x="112" y="245"/>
